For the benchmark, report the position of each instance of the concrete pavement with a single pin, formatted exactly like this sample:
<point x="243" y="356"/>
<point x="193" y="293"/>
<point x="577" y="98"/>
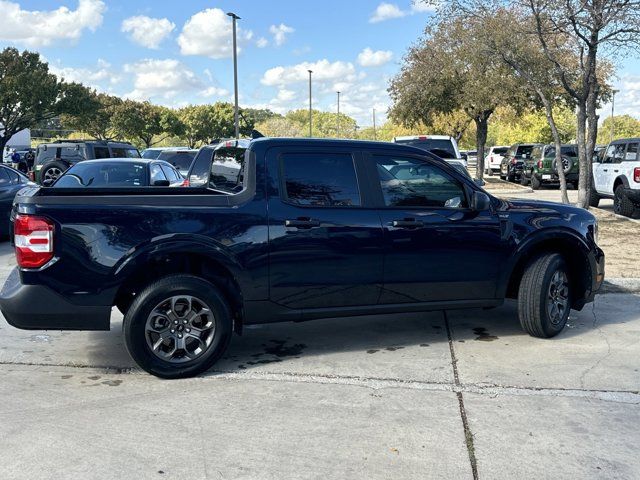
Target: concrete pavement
<point x="408" y="396"/>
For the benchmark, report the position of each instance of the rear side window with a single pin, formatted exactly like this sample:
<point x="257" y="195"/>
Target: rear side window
<point x="632" y="152"/>
<point x="101" y="152"/>
<point x="155" y="173"/>
<point x="171" y="174"/>
<point x="4" y="177"/>
<point x="320" y="180"/>
<point x="227" y="170"/>
<point x="199" y="174"/>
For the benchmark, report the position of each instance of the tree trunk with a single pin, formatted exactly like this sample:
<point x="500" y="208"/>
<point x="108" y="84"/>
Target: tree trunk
<point x="558" y="143"/>
<point x="584" y="160"/>
<point x="482" y="126"/>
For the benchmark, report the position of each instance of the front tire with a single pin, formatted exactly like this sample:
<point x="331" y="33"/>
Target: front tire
<point x="544" y="296"/>
<point x="621" y="203"/>
<point x="178" y="327"/>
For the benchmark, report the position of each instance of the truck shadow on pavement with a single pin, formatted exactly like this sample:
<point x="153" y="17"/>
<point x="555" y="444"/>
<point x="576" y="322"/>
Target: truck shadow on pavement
<point x="391" y="340"/>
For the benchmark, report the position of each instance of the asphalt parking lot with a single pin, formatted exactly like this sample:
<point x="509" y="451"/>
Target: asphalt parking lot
<point x="437" y="395"/>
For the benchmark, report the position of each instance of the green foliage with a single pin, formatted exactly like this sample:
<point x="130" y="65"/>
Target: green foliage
<point x="30" y="94"/>
<point x="95" y="117"/>
<point x="624" y="126"/>
<point x="142" y="122"/>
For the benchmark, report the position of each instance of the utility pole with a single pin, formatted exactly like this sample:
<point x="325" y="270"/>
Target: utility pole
<point x="310" y="104"/>
<point x="613" y="120"/>
<point x="236" y="119"/>
<point x="338" y="120"/>
<point x="374" y="124"/>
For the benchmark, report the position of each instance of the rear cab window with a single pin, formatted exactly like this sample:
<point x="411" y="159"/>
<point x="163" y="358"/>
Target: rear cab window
<point x="524" y="151"/>
<point x="440" y="147"/>
<point x="181" y="160"/>
<point x="320" y="180"/>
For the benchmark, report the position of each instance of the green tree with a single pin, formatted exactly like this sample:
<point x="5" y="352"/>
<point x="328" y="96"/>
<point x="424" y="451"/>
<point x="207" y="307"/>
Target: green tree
<point x="96" y="116"/>
<point x="280" y="127"/>
<point x="324" y="124"/>
<point x="446" y="72"/>
<point x="624" y="126"/>
<point x="30" y="95"/>
<point x="145" y="124"/>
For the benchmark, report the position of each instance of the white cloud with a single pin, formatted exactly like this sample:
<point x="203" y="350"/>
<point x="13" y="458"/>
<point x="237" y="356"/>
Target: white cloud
<point x="146" y="31"/>
<point x="262" y="42"/>
<point x="322" y="70"/>
<point x="37" y="28"/>
<point x="214" y="92"/>
<point x="386" y="11"/>
<point x="95" y="77"/>
<point x="280" y="32"/>
<point x="209" y="33"/>
<point x="165" y="79"/>
<point x="369" y="58"/>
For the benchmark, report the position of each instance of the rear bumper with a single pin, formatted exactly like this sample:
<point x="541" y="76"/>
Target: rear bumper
<point x="37" y="307"/>
<point x="553" y="177"/>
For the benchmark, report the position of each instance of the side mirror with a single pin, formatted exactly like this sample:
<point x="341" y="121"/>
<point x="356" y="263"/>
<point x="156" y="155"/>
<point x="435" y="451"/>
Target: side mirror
<point x="479" y="182"/>
<point x="480" y="201"/>
<point x="161" y="183"/>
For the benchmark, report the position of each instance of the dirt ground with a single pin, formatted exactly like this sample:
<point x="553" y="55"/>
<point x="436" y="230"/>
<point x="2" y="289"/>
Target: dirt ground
<point x="619" y="237"/>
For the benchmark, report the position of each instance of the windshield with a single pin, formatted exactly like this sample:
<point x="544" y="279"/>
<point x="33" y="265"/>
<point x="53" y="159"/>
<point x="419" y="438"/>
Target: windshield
<point x="440" y="147"/>
<point x="103" y="175"/>
<point x="524" y="151"/>
<point x="180" y="160"/>
<point x="500" y="151"/>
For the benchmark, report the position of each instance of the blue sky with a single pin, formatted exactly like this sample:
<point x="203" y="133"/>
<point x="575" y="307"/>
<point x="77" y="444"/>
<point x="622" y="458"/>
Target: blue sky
<point x="178" y="52"/>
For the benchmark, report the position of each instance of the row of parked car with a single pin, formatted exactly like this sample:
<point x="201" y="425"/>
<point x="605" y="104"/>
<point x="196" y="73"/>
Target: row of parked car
<point x="616" y="169"/>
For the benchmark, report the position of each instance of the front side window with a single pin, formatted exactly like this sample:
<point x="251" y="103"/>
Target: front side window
<point x="320" y="180"/>
<point x="615" y="153"/>
<point x="409" y="182"/>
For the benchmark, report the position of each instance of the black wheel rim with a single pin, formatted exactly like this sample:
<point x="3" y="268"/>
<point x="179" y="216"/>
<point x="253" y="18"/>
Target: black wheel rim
<point x="558" y="297"/>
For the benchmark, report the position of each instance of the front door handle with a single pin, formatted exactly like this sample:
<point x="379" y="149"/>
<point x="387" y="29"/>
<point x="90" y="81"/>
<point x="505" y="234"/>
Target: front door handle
<point x="407" y="223"/>
<point x="302" y="222"/>
<point x="616" y="171"/>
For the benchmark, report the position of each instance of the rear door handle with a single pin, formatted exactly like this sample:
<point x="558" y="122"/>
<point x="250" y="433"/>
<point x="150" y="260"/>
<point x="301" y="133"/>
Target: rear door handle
<point x="407" y="223"/>
<point x="302" y="222"/>
<point x="616" y="171"/>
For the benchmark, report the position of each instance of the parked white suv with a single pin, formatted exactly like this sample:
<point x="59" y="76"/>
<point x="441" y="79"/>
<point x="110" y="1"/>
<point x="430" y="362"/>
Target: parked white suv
<point x="494" y="158"/>
<point x="616" y="174"/>
<point x="443" y="146"/>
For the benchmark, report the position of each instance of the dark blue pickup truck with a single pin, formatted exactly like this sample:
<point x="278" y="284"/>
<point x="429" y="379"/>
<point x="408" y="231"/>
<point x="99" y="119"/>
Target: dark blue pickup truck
<point x="291" y="230"/>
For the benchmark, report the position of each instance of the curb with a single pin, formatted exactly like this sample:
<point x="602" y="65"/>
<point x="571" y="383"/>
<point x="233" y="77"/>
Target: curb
<point x="620" y="285"/>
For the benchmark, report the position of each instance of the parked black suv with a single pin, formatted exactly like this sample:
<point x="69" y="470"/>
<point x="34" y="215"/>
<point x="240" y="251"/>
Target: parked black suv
<point x="513" y="161"/>
<point x="52" y="159"/>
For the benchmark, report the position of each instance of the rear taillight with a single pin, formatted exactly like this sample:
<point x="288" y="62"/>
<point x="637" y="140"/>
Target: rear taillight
<point x="636" y="174"/>
<point x="33" y="237"/>
<point x="540" y="164"/>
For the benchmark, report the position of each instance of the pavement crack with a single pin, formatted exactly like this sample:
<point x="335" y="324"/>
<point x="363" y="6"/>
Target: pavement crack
<point x="468" y="435"/>
<point x="597" y="327"/>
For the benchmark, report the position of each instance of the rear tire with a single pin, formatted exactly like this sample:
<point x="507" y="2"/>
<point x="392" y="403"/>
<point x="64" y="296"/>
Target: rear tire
<point x="544" y="296"/>
<point x="183" y="306"/>
<point x="524" y="181"/>
<point x="535" y="182"/>
<point x="52" y="171"/>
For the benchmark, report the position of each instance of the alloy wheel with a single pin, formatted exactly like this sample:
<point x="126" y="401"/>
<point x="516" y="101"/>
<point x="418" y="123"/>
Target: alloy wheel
<point x="180" y="329"/>
<point x="558" y="297"/>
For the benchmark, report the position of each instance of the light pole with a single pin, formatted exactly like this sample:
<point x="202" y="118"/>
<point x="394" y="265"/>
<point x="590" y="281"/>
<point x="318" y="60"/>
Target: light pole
<point x="310" y="117"/>
<point x="338" y="120"/>
<point x="236" y="119"/>
<point x="374" y="124"/>
<point x="613" y="120"/>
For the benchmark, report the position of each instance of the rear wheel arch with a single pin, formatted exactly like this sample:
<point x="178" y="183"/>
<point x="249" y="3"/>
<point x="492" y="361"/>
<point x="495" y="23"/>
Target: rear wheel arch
<point x="574" y="253"/>
<point x="620" y="180"/>
<point x="158" y="265"/>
